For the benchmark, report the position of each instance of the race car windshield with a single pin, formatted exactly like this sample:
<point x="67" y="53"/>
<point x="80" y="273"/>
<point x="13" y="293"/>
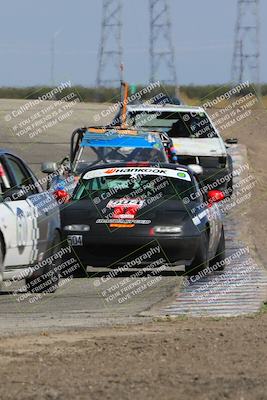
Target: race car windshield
<point x="90" y="156"/>
<point x="142" y="186"/>
<point x="177" y="124"/>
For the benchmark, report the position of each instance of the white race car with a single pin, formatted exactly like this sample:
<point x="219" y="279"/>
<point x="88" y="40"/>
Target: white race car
<point x="195" y="138"/>
<point x="30" y="233"/>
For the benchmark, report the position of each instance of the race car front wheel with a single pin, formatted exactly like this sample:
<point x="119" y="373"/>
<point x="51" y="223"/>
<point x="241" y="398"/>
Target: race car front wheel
<point x="80" y="272"/>
<point x="201" y="260"/>
<point x="218" y="261"/>
<point x="48" y="281"/>
<point x="1" y="263"/>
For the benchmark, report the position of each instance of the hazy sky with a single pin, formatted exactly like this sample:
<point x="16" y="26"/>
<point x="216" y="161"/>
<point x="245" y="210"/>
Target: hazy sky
<point x="203" y="33"/>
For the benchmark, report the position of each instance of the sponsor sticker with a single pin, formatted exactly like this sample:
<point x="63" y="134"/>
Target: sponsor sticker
<point x="122" y="225"/>
<point x="131" y="171"/>
<point x="124" y="202"/>
<point x="123" y="221"/>
<point x="125" y="208"/>
<point x="136" y="171"/>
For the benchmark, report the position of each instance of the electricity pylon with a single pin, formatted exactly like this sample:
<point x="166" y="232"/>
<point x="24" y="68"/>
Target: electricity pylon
<point x="246" y="57"/>
<point x="110" y="52"/>
<point x="162" y="55"/>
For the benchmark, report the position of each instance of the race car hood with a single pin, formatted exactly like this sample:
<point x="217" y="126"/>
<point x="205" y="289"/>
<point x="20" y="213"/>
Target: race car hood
<point x="154" y="213"/>
<point x="199" y="147"/>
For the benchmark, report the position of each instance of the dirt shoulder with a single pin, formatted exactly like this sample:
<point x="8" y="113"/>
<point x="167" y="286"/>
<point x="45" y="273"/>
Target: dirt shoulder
<point x="205" y="359"/>
<point x="182" y="359"/>
<point x="253" y="134"/>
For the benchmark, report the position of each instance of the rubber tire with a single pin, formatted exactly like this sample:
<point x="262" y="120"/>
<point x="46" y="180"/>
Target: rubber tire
<point x="80" y="273"/>
<point x="229" y="188"/>
<point x="1" y="263"/>
<point x="220" y="252"/>
<point x="201" y="259"/>
<point x="55" y="247"/>
<point x="230" y="183"/>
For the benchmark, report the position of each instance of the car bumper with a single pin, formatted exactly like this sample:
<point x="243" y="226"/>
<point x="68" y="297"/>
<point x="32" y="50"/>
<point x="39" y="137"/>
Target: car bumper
<point x="138" y="251"/>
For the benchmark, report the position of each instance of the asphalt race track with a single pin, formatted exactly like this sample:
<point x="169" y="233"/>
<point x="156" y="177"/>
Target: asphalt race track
<point x="83" y="302"/>
<point x="240" y="289"/>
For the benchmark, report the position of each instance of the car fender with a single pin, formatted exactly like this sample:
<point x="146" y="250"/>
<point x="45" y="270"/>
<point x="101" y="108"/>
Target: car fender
<point x="7" y="219"/>
<point x="18" y="225"/>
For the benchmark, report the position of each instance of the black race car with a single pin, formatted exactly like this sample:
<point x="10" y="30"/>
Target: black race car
<point x="135" y="214"/>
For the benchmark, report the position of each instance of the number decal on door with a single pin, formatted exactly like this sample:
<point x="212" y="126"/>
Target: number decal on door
<point x="22" y="228"/>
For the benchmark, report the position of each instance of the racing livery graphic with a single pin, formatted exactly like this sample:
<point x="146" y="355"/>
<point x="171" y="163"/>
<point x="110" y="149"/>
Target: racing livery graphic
<point x="22" y="229"/>
<point x="122" y="211"/>
<point x="125" y="208"/>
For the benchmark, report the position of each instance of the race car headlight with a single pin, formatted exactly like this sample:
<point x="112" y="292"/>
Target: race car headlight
<point x="168" y="229"/>
<point x="78" y="228"/>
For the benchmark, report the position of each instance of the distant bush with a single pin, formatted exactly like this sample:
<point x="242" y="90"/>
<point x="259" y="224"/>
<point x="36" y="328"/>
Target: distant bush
<point x="100" y="95"/>
<point x="85" y="94"/>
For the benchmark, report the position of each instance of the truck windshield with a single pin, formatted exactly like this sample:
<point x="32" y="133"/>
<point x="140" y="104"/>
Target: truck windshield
<point x="177" y="124"/>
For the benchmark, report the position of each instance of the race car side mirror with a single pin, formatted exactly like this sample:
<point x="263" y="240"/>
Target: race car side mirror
<point x="231" y="141"/>
<point x="48" y="167"/>
<point x="214" y="196"/>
